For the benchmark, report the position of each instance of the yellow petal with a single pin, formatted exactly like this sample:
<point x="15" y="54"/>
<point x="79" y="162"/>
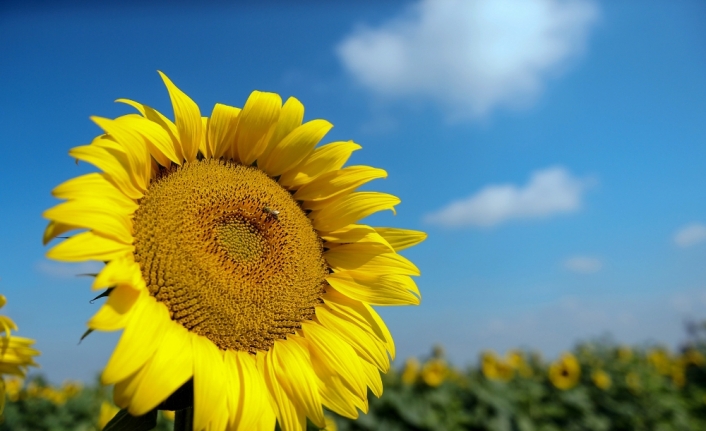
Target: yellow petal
<point x="337" y="354"/>
<point x="290" y="118"/>
<point x="187" y="118"/>
<point x="372" y="377"/>
<point x="117" y="172"/>
<point x="221" y="130"/>
<point x="88" y="246"/>
<point x="146" y="326"/>
<point x="98" y="218"/>
<point x="95" y="186"/>
<point x="352" y="208"/>
<point x="356" y="233"/>
<point x="209" y="380"/>
<point x="295" y="147"/>
<point x="159" y="142"/>
<point x="296" y="377"/>
<point x="375" y="289"/>
<point x="124" y="390"/>
<point x="122" y="271"/>
<point x="166" y="124"/>
<point x="171" y="365"/>
<point x="114" y="314"/>
<point x="133" y="145"/>
<point x="338" y="182"/>
<point x="219" y="421"/>
<point x="362" y="315"/>
<point x="266" y="422"/>
<point x="362" y="341"/>
<point x="289" y="416"/>
<point x="401" y="239"/>
<point x="256" y="124"/>
<point x="247" y="396"/>
<point x="364" y="257"/>
<point x="55" y="229"/>
<point x="326" y="158"/>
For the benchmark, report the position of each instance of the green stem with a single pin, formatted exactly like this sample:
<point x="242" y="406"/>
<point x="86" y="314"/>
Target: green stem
<point x="184" y="419"/>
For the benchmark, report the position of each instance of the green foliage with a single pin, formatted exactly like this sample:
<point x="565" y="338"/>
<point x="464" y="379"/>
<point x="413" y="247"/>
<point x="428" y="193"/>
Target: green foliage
<point x="39" y="406"/>
<point x="597" y="386"/>
<point x="615" y="388"/>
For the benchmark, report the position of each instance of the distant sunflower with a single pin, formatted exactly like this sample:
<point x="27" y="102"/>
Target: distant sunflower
<point x="16" y="353"/>
<point x="235" y="259"/>
<point x="565" y="372"/>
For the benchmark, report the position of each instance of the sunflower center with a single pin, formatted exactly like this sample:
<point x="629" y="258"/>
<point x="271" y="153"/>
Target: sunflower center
<point x="230" y="253"/>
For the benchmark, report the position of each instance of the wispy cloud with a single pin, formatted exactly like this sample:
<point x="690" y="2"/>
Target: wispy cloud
<point x="67" y="270"/>
<point x="550" y="191"/>
<point x="690" y="234"/>
<point x="583" y="264"/>
<point x="470" y="55"/>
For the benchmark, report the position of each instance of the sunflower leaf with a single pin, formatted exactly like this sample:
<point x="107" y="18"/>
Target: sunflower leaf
<point x="124" y="421"/>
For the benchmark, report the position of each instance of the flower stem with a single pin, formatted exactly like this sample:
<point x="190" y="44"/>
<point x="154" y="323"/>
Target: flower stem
<point x="184" y="419"/>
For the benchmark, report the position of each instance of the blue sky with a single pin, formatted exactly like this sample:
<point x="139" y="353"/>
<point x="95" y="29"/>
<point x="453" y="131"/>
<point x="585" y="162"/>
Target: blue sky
<point x="553" y="151"/>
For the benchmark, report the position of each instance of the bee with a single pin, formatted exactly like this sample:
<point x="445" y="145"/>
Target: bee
<point x="273" y="212"/>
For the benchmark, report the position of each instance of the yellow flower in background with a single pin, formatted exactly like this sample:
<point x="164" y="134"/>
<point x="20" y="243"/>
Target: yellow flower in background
<point x="108" y="411"/>
<point x="71" y="389"/>
<point x="235" y="258"/>
<point x="13" y="388"/>
<point x="565" y="372"/>
<point x="678" y="373"/>
<point x="633" y="382"/>
<point x="168" y="415"/>
<point x="601" y="379"/>
<point x="16" y="353"/>
<point x="661" y="360"/>
<point x="516" y="359"/>
<point x="494" y="368"/>
<point x="411" y="371"/>
<point x="694" y="357"/>
<point x="625" y="354"/>
<point x="434" y="372"/>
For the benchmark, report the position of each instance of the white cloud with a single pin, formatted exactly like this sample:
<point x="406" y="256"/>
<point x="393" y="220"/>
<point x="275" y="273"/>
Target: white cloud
<point x="691" y="234"/>
<point x="550" y="191"/>
<point x="470" y="55"/>
<point x="583" y="264"/>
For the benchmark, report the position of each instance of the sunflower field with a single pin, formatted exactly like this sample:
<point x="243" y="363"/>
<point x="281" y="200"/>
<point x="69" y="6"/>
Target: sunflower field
<point x="595" y="386"/>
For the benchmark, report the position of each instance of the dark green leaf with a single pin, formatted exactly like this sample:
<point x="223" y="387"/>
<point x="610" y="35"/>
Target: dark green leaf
<point x="124" y="421"/>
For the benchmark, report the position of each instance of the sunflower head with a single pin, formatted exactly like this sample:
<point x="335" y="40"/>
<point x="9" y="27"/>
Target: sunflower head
<point x="236" y="260"/>
<point x="565" y="372"/>
<point x="495" y="368"/>
<point x="434" y="372"/>
<point x="16" y="355"/>
<point x="410" y="373"/>
<point x="661" y="360"/>
<point x="601" y="379"/>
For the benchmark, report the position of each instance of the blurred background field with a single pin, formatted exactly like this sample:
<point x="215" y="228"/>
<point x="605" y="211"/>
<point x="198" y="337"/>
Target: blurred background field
<point x="595" y="386"/>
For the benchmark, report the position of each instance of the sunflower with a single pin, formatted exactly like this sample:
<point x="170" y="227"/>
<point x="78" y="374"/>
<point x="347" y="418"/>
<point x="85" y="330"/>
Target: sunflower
<point x="16" y="353"/>
<point x="601" y="379"/>
<point x="411" y="371"/>
<point x="235" y="260"/>
<point x="494" y="368"/>
<point x="565" y="372"/>
<point x="434" y="372"/>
